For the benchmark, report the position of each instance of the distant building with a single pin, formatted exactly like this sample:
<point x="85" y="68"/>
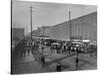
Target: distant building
<point x="17" y="33"/>
<point x="84" y="27"/>
<point x="44" y="31"/>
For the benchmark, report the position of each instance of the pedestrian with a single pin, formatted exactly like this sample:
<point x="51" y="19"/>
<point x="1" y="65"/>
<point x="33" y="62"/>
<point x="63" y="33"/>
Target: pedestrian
<point x="64" y="48"/>
<point x="28" y="51"/>
<point x="69" y="49"/>
<point x="77" y="62"/>
<point x="42" y="48"/>
<point x="23" y="49"/>
<point x="58" y="67"/>
<point x="32" y="50"/>
<point x="51" y="48"/>
<point x="58" y="49"/>
<point x="43" y="61"/>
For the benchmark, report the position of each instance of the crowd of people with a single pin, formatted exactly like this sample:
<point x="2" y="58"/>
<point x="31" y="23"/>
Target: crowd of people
<point x="58" y="46"/>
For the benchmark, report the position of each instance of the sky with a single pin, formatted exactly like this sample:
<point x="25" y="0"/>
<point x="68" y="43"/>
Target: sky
<point x="45" y="14"/>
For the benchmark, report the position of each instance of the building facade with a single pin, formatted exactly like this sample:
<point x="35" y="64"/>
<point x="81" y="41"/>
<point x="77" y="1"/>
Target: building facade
<point x="84" y="27"/>
<point x="18" y="33"/>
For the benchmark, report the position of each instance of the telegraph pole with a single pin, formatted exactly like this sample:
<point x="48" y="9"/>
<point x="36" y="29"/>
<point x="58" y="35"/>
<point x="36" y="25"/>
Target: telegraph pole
<point x="31" y="20"/>
<point x="82" y="30"/>
<point x="11" y="39"/>
<point x="70" y="24"/>
<point x="86" y="37"/>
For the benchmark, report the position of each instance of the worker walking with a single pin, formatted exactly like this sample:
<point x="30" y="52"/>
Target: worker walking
<point x="43" y="61"/>
<point x="58" y="67"/>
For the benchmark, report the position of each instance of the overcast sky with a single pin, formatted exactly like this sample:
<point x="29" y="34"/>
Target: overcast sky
<point x="45" y="14"/>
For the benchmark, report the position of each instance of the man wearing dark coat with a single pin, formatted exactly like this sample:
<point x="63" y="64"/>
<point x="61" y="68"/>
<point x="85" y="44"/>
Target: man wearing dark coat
<point x="58" y="67"/>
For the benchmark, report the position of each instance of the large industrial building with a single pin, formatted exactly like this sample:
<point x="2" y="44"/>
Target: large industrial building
<point x="84" y="27"/>
<point x="18" y="32"/>
<point x="17" y="35"/>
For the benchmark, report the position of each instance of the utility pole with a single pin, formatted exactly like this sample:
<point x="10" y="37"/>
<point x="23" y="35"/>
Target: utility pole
<point x="70" y="24"/>
<point x="82" y="29"/>
<point x="31" y="24"/>
<point x="11" y="38"/>
<point x="31" y="20"/>
<point x="11" y="21"/>
<point x="86" y="36"/>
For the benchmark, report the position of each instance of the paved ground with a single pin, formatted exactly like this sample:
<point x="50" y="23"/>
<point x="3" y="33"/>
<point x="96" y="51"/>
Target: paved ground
<point x="32" y="64"/>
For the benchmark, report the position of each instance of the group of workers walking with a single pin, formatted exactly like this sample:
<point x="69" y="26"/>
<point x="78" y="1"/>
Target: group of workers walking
<point x="28" y="46"/>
